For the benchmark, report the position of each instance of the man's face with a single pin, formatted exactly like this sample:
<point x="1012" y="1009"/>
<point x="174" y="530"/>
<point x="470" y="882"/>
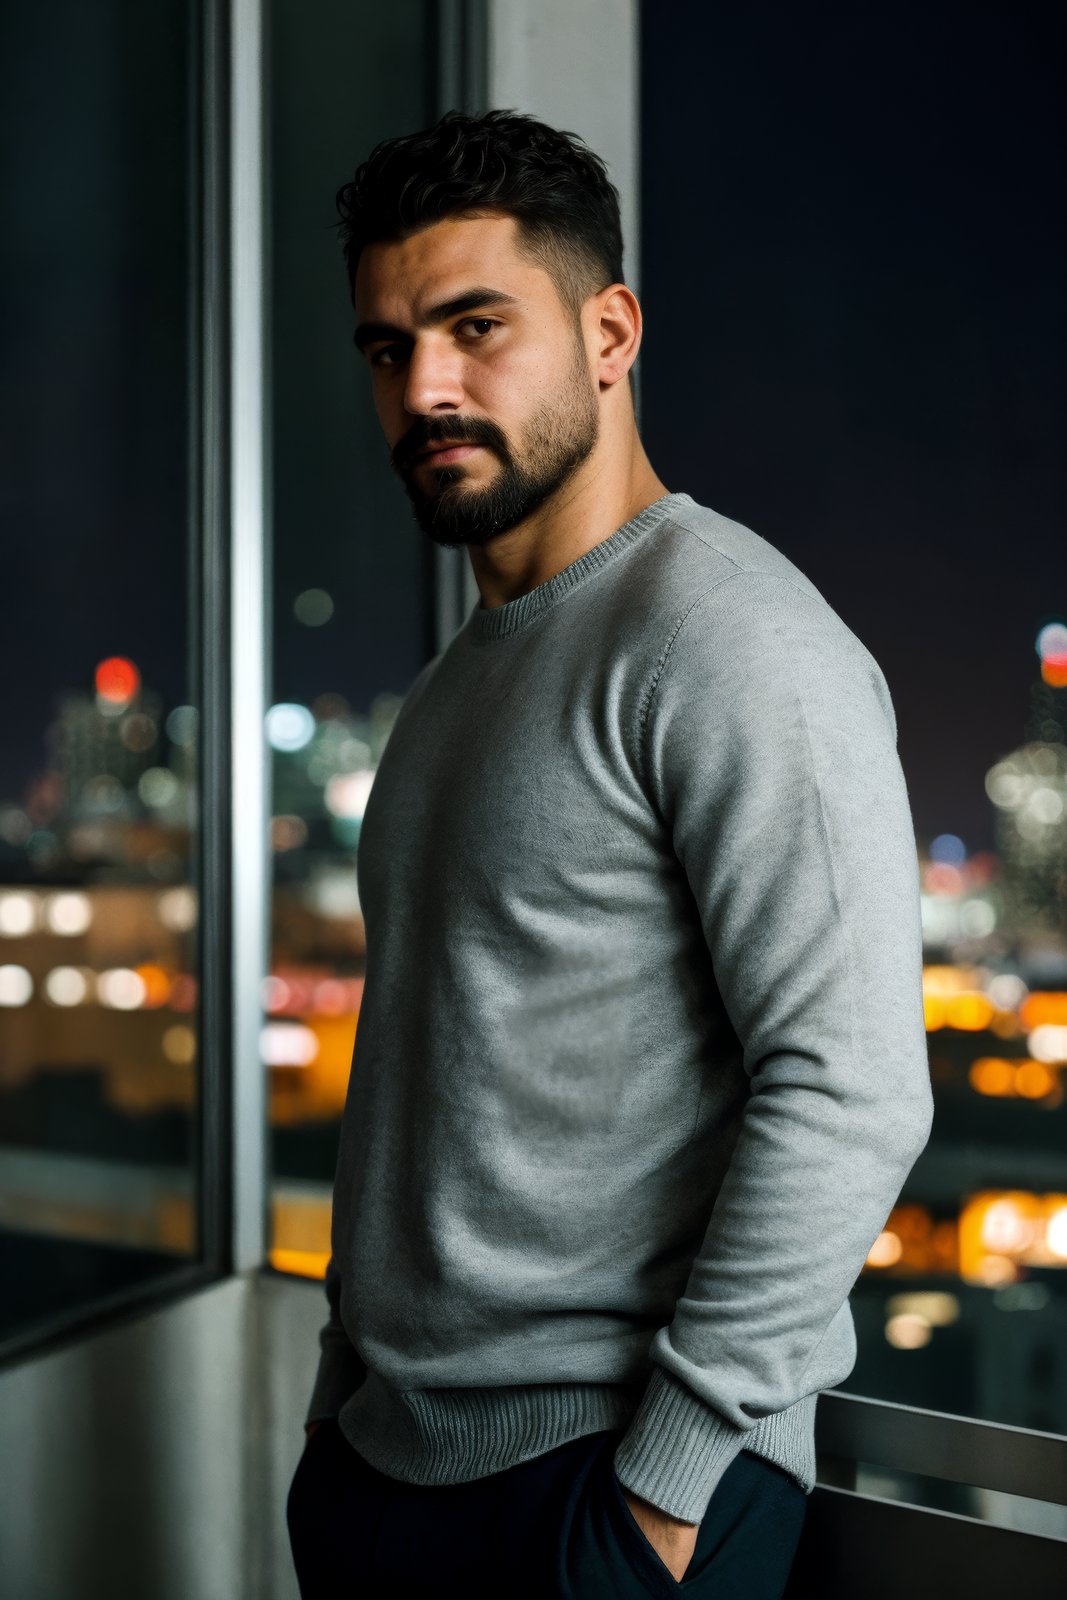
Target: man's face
<point x="470" y="345"/>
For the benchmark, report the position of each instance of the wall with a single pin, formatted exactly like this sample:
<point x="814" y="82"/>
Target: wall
<point x="153" y="1459"/>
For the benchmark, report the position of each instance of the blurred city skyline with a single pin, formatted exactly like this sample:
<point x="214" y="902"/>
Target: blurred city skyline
<point x="867" y="370"/>
<point x="309" y="647"/>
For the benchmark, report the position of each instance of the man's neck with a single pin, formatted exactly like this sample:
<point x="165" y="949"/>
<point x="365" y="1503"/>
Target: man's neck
<point x="588" y="508"/>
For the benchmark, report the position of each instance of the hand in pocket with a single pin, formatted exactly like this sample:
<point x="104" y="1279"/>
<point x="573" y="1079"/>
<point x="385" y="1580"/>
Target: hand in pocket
<point x="671" y="1540"/>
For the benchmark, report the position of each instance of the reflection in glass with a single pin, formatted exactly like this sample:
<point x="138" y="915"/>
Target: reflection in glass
<point x="98" y="781"/>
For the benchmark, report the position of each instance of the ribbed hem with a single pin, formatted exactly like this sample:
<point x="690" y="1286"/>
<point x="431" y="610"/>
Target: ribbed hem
<point x="673" y="1452"/>
<point x="488" y="623"/>
<point x="456" y="1435"/>
<point x="676" y="1448"/>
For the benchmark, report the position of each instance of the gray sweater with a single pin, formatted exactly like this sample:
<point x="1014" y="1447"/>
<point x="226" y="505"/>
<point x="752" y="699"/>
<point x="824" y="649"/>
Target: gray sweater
<point x="641" y="1064"/>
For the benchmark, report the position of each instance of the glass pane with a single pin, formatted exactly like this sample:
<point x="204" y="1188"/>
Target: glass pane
<point x="351" y="580"/>
<point x="98" y="791"/>
<point x="874" y="383"/>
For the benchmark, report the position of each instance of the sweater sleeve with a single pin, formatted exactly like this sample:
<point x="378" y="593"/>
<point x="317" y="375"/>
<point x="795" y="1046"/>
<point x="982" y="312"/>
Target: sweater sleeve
<point x="341" y="1369"/>
<point x="770" y="748"/>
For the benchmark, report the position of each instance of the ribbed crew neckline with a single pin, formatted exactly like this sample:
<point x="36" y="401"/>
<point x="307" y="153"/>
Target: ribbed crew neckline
<point x="488" y="623"/>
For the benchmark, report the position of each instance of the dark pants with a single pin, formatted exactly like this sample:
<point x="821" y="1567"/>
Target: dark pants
<point x="553" y="1528"/>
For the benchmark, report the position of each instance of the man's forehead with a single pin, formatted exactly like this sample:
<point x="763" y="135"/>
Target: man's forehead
<point x="442" y="262"/>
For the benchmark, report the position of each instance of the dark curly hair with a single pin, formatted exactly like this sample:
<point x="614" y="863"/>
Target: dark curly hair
<point x="551" y="182"/>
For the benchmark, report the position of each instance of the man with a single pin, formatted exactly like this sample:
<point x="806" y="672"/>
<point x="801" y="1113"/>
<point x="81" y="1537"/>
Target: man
<point x="641" y="1064"/>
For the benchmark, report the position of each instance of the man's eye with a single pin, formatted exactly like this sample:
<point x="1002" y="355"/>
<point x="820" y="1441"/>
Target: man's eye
<point x="387" y="356"/>
<point x="482" y="324"/>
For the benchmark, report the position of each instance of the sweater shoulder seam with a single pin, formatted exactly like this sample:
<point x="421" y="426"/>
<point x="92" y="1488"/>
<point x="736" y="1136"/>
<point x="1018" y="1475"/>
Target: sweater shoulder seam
<point x="683" y="618"/>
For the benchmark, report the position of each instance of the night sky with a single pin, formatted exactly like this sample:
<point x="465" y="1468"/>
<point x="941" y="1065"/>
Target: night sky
<point x="93" y="357"/>
<point x="853" y="275"/>
<point x="853" y="269"/>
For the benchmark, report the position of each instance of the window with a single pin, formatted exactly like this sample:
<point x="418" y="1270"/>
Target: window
<point x="870" y="377"/>
<point x="100" y="1085"/>
<point x="351" y="579"/>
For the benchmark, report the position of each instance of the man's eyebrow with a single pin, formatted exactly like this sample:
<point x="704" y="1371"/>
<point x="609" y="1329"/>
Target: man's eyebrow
<point x="368" y="332"/>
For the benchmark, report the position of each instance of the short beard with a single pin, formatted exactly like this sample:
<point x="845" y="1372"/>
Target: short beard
<point x="558" y="441"/>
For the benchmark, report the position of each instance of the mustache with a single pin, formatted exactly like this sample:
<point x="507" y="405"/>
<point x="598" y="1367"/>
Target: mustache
<point x="435" y="430"/>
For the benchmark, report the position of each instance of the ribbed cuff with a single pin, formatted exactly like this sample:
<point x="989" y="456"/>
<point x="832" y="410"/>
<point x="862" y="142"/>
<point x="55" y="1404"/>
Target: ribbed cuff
<point x="676" y="1448"/>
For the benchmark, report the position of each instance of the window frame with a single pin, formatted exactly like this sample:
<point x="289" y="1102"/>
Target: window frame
<point x="213" y="79"/>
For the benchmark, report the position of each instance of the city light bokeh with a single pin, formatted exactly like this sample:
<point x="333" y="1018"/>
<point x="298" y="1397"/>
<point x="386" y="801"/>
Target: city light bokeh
<point x="98" y="971"/>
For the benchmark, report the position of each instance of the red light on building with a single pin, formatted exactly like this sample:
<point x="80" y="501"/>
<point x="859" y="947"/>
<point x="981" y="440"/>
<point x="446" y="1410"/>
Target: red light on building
<point x="117" y="680"/>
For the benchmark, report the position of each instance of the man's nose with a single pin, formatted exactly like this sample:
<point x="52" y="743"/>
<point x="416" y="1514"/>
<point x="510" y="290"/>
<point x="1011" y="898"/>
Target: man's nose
<point x="433" y="378"/>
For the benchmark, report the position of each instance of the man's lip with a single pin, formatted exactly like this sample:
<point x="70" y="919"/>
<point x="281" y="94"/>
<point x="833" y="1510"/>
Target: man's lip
<point x="447" y="449"/>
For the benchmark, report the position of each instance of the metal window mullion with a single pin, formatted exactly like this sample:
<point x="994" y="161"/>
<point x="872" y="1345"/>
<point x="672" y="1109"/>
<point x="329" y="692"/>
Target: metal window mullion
<point x="249" y="568"/>
<point x="210" y="627"/>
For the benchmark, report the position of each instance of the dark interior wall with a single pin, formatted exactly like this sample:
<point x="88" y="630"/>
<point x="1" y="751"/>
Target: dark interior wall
<point x="853" y="270"/>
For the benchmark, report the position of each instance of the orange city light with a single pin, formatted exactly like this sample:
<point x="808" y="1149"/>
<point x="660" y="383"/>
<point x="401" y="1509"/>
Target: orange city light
<point x="157" y="983"/>
<point x="1043" y="1006"/>
<point x="1023" y="1078"/>
<point x="1004" y="1231"/>
<point x="971" y="1012"/>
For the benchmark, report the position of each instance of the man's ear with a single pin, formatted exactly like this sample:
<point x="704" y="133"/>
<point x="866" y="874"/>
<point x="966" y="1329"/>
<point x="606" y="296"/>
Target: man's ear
<point x="617" y="332"/>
